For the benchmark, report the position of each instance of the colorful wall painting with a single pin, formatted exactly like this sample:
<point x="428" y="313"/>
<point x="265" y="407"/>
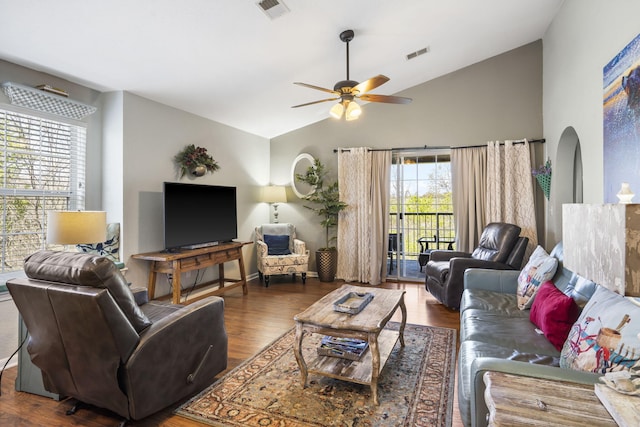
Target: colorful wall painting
<point x="621" y="122"/>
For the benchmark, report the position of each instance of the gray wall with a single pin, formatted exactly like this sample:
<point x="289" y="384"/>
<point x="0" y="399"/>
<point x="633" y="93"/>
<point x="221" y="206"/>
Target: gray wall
<point x="584" y="36"/>
<point x="496" y="99"/>
<point x="153" y="134"/>
<point x="131" y="142"/>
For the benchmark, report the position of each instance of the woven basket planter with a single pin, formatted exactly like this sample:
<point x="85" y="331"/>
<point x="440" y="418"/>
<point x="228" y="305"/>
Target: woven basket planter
<point x="545" y="184"/>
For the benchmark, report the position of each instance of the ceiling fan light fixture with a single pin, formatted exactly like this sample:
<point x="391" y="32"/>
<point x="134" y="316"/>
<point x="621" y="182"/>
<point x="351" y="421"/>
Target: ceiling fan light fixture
<point x="348" y="90"/>
<point x="337" y="110"/>
<point x="353" y="111"/>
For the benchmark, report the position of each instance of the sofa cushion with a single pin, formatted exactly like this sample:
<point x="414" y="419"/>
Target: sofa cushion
<point x="580" y="289"/>
<point x="605" y="337"/>
<point x="540" y="268"/>
<point x="277" y="244"/>
<point x="471" y="350"/>
<point x="513" y="332"/>
<point x="497" y="302"/>
<point x="87" y="270"/>
<point x="554" y="313"/>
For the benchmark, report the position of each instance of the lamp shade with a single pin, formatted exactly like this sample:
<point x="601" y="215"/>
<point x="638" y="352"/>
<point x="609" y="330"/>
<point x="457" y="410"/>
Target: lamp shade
<point x="274" y="194"/>
<point x="337" y="110"/>
<point x="353" y="111"/>
<point x="73" y="227"/>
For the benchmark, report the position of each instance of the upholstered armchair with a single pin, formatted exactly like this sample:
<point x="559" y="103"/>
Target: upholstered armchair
<point x="97" y="341"/>
<point x="500" y="248"/>
<point x="280" y="252"/>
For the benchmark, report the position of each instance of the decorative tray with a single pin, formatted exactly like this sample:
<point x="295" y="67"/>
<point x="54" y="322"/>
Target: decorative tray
<point x="353" y="302"/>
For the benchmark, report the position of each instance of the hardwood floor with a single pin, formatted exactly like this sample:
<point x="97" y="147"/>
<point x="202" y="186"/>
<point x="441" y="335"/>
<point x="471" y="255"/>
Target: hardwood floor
<point x="252" y="322"/>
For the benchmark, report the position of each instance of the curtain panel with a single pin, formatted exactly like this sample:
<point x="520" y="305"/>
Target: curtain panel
<point x="469" y="185"/>
<point x="363" y="177"/>
<point x="510" y="191"/>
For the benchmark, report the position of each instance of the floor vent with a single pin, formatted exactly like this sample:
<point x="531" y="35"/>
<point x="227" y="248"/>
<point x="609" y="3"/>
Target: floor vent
<point x="418" y="53"/>
<point x="273" y="8"/>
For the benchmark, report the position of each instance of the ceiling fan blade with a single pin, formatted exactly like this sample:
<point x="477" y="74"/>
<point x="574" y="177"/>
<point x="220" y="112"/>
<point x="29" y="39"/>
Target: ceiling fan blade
<point x="315" y="102"/>
<point x="371" y="84"/>
<point x="317" y="88"/>
<point x="385" y="98"/>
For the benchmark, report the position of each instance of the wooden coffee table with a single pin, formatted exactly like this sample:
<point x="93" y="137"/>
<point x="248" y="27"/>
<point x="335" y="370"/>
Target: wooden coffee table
<point x="369" y="325"/>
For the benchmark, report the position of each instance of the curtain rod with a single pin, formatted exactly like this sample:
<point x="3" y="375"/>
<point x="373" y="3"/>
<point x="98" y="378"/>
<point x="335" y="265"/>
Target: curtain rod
<point x="335" y="150"/>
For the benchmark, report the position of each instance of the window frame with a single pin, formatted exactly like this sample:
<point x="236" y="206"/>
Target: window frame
<point x="49" y="158"/>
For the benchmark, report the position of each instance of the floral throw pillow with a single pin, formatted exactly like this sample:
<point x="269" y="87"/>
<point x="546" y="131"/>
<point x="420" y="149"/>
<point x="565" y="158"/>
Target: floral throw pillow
<point x="605" y="336"/>
<point x="109" y="248"/>
<point x="540" y="268"/>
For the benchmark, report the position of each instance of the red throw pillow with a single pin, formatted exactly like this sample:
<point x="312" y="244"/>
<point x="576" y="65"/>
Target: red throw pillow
<point x="554" y="313"/>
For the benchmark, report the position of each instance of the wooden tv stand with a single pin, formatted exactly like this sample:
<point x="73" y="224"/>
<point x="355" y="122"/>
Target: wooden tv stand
<point x="176" y="263"/>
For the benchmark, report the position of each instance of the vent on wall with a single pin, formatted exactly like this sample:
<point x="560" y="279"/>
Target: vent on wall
<point x="273" y="8"/>
<point x="36" y="99"/>
<point x="418" y="53"/>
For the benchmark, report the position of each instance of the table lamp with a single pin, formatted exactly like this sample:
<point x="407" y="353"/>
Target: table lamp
<point x="274" y="194"/>
<point x="73" y="227"/>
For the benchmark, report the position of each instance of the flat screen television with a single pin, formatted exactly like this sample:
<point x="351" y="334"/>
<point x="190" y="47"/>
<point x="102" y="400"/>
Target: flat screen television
<point x="198" y="215"/>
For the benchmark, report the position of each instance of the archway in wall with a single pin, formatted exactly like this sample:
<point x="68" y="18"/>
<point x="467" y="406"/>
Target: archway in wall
<point x="566" y="182"/>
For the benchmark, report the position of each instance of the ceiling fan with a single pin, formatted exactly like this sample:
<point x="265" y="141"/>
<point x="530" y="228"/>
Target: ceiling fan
<point x="347" y="91"/>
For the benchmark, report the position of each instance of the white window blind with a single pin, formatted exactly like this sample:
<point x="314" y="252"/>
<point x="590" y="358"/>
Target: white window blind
<point x="42" y="167"/>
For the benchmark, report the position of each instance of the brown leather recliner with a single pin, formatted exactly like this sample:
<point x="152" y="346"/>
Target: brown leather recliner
<point x="94" y="342"/>
<point x="500" y="248"/>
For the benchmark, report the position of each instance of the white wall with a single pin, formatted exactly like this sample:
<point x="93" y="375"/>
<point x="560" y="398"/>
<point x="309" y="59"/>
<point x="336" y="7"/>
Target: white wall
<point x="112" y="156"/>
<point x="583" y="37"/>
<point x="153" y="134"/>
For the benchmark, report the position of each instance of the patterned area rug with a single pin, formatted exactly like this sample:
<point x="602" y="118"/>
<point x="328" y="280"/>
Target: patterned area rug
<point x="415" y="388"/>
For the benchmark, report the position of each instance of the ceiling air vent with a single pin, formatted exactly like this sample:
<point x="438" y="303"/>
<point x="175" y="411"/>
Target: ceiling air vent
<point x="273" y="8"/>
<point x="418" y="53"/>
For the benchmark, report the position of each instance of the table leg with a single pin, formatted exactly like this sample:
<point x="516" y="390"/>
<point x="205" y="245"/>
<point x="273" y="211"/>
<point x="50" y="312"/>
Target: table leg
<point x="403" y="309"/>
<point x="175" y="282"/>
<point x="297" y="350"/>
<point x="151" y="287"/>
<point x="221" y="275"/>
<point x="243" y="275"/>
<point x="375" y="365"/>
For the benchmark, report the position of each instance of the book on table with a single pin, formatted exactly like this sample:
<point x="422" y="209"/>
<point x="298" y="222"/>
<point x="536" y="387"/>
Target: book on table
<point x="346" y="348"/>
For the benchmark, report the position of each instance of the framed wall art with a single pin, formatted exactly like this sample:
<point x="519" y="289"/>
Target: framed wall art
<point x="621" y="121"/>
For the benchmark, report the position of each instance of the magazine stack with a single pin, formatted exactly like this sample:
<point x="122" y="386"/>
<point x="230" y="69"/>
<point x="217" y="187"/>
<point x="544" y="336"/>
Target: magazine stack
<point x="346" y="348"/>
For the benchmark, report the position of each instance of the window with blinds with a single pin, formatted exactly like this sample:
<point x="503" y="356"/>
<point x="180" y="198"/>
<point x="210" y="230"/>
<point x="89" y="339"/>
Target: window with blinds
<point x="42" y="167"/>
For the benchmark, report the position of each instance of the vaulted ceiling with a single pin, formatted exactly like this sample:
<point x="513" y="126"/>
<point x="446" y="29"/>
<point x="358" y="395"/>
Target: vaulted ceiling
<point x="230" y="61"/>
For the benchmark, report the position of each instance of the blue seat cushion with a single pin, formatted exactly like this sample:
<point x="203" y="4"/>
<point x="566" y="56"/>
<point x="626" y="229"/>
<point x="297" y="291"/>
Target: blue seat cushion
<point x="277" y="245"/>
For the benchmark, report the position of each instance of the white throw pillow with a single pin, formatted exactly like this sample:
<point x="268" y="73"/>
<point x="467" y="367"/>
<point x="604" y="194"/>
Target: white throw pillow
<point x="540" y="268"/>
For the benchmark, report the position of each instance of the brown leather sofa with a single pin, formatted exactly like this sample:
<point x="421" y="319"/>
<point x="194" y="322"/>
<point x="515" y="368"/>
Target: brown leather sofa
<point x="95" y="341"/>
<point x="500" y="248"/>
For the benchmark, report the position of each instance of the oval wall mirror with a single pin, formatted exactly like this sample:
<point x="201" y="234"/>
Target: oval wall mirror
<point x="299" y="167"/>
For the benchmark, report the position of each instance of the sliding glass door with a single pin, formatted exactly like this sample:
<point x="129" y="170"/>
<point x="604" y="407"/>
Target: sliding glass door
<point x="421" y="211"/>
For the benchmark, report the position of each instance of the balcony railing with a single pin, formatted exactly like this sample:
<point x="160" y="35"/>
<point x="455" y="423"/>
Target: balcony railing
<point x="435" y="228"/>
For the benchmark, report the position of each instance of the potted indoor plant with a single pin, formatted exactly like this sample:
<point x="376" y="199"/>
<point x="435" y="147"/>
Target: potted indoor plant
<point x="326" y="203"/>
<point x="195" y="160"/>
